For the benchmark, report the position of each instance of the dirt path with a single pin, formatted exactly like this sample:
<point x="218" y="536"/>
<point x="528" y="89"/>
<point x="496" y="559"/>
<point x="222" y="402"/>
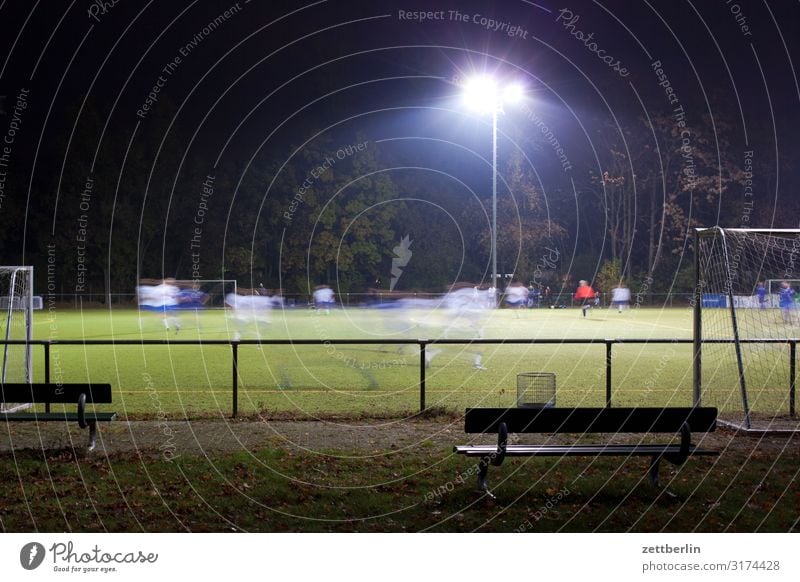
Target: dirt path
<point x="214" y="436"/>
<point x="201" y="437"/>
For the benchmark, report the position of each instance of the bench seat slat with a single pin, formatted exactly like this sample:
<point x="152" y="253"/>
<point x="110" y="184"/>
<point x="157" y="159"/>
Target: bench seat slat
<point x="55" y="393"/>
<point x="54" y="416"/>
<point x="590" y="420"/>
<point x="578" y="450"/>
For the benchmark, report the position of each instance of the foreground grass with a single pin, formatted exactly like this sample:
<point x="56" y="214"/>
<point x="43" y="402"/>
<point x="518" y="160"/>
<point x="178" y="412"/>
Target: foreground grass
<point x="278" y="490"/>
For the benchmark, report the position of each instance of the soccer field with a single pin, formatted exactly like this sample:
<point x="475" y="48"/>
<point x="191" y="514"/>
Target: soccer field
<point x="308" y="380"/>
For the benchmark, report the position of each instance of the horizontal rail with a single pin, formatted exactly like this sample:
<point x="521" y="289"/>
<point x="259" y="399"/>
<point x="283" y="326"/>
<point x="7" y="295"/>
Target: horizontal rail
<point x="421" y="342"/>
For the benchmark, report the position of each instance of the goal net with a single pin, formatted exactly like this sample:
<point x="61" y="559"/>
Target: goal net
<point x="746" y="321"/>
<point x="16" y="324"/>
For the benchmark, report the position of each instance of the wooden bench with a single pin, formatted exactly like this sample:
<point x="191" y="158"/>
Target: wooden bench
<point x="505" y="421"/>
<point x="79" y="394"/>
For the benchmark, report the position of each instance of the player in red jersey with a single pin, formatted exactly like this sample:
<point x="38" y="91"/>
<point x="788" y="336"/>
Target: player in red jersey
<point x="585" y="295"/>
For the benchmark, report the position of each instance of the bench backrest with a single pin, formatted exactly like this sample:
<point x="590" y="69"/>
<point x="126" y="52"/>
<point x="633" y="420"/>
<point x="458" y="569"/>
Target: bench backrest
<point x="55" y="393"/>
<point x="594" y="420"/>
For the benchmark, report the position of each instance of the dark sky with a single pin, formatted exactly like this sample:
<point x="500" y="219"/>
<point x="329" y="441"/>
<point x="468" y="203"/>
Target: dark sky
<point x="268" y="63"/>
<point x="243" y="80"/>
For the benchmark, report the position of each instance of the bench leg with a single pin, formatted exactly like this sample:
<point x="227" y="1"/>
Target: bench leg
<point x="653" y="473"/>
<point x="92" y="435"/>
<point x="483" y="477"/>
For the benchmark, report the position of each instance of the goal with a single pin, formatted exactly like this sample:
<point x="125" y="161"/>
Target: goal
<point x="16" y="324"/>
<point x="747" y="324"/>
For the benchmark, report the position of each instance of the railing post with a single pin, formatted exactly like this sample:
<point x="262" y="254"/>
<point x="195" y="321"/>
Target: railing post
<point x="608" y="372"/>
<point x="235" y="356"/>
<point x="46" y="371"/>
<point x="792" y="375"/>
<point x="422" y="376"/>
<point x="697" y="327"/>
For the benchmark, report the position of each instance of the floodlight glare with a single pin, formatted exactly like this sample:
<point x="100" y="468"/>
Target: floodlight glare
<point x="480" y="93"/>
<point x="513" y="93"/>
<point x="483" y="94"/>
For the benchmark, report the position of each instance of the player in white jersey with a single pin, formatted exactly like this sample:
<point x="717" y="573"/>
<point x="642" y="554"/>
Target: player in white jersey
<point x="163" y="300"/>
<point x="249" y="310"/>
<point x="460" y="314"/>
<point x="620" y="297"/>
<point x="324" y="299"/>
<point x="516" y="296"/>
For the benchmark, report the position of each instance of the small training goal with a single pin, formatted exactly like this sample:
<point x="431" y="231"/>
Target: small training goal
<point x="16" y="325"/>
<point x="747" y="324"/>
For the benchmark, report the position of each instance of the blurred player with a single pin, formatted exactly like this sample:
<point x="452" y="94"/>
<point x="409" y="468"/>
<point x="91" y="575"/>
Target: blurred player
<point x="191" y="298"/>
<point x="276" y="295"/>
<point x="491" y="297"/>
<point x="461" y="314"/>
<point x="585" y="295"/>
<point x="516" y="296"/>
<point x="534" y="296"/>
<point x="620" y="297"/>
<point x="546" y="297"/>
<point x="761" y="294"/>
<point x="249" y="310"/>
<point x="786" y="302"/>
<point x="161" y="299"/>
<point x="323" y="298"/>
<point x="467" y="311"/>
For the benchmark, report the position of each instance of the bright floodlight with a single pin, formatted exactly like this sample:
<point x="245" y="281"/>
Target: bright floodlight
<point x="480" y="93"/>
<point x="483" y="94"/>
<point x="513" y="93"/>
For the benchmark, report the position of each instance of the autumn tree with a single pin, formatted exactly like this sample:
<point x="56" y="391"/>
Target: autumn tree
<point x="526" y="232"/>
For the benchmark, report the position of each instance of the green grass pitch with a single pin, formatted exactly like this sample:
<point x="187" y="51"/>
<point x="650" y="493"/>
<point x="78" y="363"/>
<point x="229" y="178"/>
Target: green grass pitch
<point x="192" y="381"/>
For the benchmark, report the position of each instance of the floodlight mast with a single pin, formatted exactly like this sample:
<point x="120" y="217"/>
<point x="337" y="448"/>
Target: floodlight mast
<point x="494" y="206"/>
<point x="483" y="94"/>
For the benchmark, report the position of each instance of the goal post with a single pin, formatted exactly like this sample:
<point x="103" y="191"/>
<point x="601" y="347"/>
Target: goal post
<point x="16" y="324"/>
<point x="746" y="322"/>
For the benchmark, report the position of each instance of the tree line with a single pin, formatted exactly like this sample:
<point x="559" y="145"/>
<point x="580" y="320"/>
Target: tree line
<point x="334" y="210"/>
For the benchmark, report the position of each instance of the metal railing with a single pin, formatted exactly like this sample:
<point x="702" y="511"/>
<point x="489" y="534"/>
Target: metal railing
<point x="421" y="343"/>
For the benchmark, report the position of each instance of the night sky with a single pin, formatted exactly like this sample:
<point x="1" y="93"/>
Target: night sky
<point x="104" y="102"/>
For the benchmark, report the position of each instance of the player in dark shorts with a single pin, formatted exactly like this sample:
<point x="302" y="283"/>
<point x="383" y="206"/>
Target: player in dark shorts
<point x="585" y="295"/>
